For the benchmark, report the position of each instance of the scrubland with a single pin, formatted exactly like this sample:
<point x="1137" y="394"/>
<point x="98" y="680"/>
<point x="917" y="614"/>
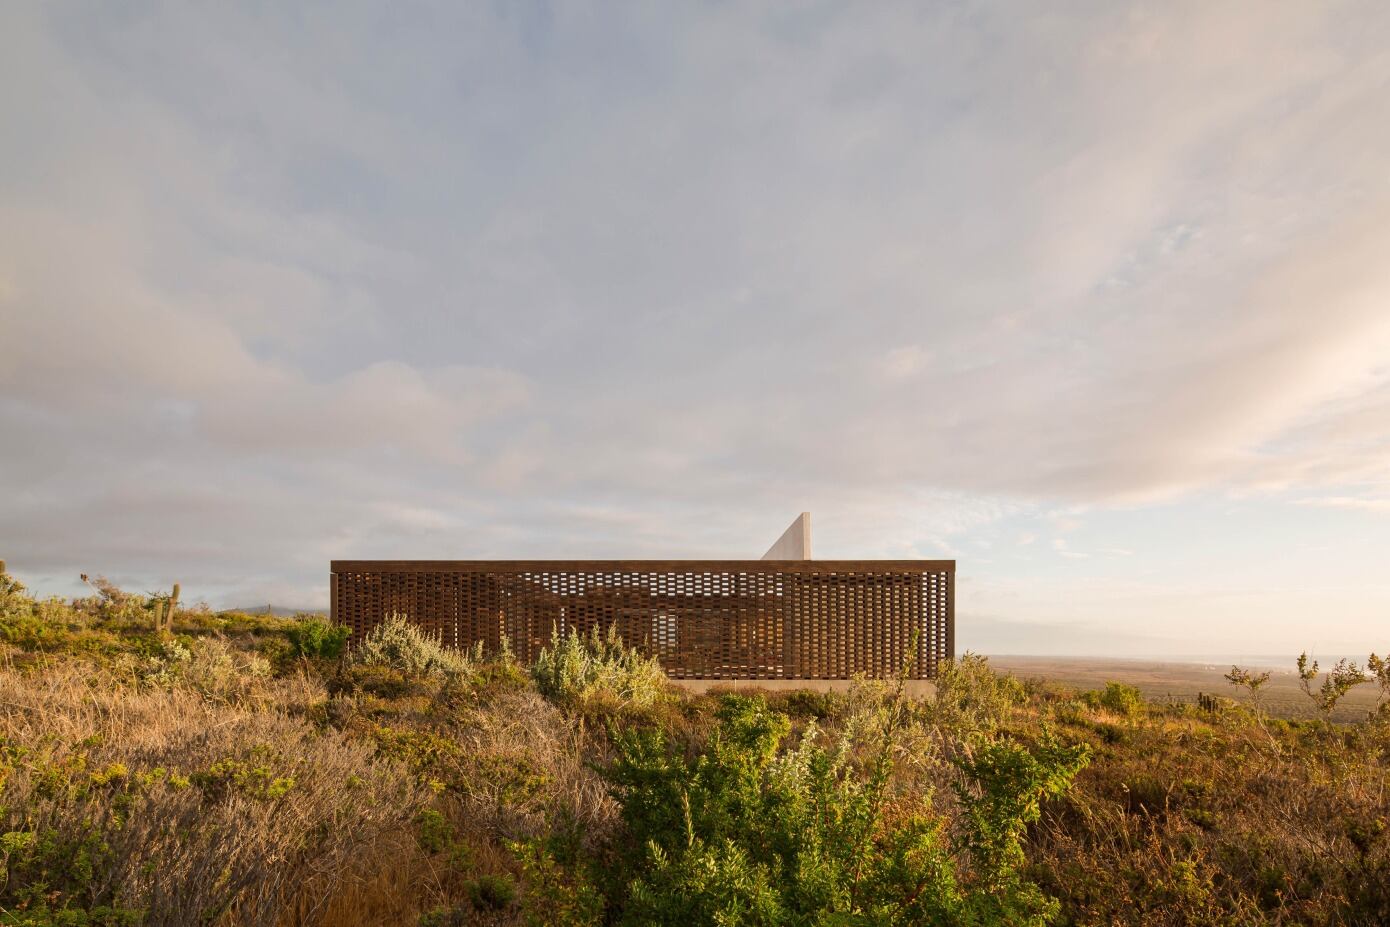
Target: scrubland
<point x="253" y="770"/>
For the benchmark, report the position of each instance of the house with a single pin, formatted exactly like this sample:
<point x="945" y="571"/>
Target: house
<point x="785" y="616"/>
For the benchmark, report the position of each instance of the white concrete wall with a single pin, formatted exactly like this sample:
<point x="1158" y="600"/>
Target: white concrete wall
<point x="795" y="542"/>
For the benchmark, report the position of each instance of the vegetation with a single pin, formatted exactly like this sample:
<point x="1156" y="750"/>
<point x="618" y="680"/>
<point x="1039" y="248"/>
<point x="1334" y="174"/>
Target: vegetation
<point x="399" y="645"/>
<point x="162" y="765"/>
<point x="576" y="669"/>
<point x="1339" y="680"/>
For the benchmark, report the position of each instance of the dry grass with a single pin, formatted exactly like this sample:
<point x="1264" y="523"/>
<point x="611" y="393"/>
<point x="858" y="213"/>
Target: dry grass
<point x="213" y="778"/>
<point x="518" y="730"/>
<point x="180" y="790"/>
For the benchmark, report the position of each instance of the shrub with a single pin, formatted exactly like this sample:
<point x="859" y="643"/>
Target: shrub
<point x="1002" y="793"/>
<point x="313" y="636"/>
<point x="1124" y="700"/>
<point x="400" y="645"/>
<point x="445" y="917"/>
<point x="434" y="759"/>
<point x="372" y="679"/>
<point x="743" y="835"/>
<point x="1341" y="679"/>
<point x="972" y="697"/>
<point x="556" y="895"/>
<point x="574" y="669"/>
<point x="165" y="665"/>
<point x="216" y="669"/>
<point x="808" y="703"/>
<point x="13" y="601"/>
<point x="212" y="667"/>
<point x="167" y="780"/>
<point x="1379" y="669"/>
<point x="1253" y="683"/>
<point x="491" y="893"/>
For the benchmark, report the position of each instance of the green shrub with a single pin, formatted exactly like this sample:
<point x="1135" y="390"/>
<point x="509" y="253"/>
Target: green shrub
<point x="313" y="636"/>
<point x="99" y="916"/>
<point x="574" y="669"/>
<point x="253" y="775"/>
<point x="445" y="917"/>
<point x="1001" y="794"/>
<point x="972" y="697"/>
<point x="491" y="893"/>
<point x="1070" y="712"/>
<point x="744" y="835"/>
<point x="164" y="667"/>
<point x="808" y="703"/>
<point x="49" y="867"/>
<point x="1117" y="697"/>
<point x="210" y="666"/>
<point x="557" y="894"/>
<point x="13" y="601"/>
<point x="382" y="681"/>
<point x="400" y="645"/>
<point x="435" y="834"/>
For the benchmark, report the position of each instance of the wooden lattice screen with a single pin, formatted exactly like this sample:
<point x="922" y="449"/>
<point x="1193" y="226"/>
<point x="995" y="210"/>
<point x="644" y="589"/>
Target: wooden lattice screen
<point x="725" y="619"/>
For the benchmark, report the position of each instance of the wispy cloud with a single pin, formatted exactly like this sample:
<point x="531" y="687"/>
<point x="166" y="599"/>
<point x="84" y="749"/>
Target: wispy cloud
<point x="1061" y="546"/>
<point x="1348" y="502"/>
<point x="498" y="281"/>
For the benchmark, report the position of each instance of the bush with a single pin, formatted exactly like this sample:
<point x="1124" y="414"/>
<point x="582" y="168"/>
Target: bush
<point x="400" y="645"/>
<point x="312" y="636"/>
<point x="556" y="894"/>
<point x="1001" y="793"/>
<point x="445" y="917"/>
<point x="972" y="697"/>
<point x="13" y="601"/>
<point x="575" y="669"/>
<point x="744" y="835"/>
<point x="372" y="679"/>
<point x="211" y="666"/>
<point x="1124" y="700"/>
<point x="491" y="893"/>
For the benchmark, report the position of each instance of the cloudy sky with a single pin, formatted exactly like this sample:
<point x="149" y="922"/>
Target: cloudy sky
<point x="1094" y="299"/>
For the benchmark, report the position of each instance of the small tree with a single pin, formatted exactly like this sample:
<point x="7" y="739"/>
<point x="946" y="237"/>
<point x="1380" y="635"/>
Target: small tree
<point x="1253" y="683"/>
<point x="1379" y="668"/>
<point x="1340" y="680"/>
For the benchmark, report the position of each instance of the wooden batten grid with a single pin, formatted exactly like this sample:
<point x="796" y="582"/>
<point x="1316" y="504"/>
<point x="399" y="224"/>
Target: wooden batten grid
<point x="703" y="619"/>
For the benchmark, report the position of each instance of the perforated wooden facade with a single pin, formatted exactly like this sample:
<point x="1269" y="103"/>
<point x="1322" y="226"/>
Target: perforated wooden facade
<point x="704" y="619"/>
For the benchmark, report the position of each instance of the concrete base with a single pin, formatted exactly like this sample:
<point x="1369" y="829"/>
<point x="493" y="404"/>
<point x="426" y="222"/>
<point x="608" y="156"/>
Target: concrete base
<point x="915" y="688"/>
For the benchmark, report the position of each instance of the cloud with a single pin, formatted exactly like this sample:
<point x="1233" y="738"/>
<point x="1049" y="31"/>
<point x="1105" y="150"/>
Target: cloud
<point x="503" y="281"/>
<point x="1061" y="546"/>
<point x="1349" y="502"/>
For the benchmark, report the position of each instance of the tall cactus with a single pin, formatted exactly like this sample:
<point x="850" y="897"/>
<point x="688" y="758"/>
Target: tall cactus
<point x="164" y="619"/>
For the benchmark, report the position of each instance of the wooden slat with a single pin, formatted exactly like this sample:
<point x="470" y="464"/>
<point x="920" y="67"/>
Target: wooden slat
<point x="710" y="619"/>
<point x="623" y="566"/>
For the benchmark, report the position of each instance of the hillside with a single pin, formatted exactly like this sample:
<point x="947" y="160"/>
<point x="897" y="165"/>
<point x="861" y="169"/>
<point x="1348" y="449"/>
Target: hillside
<point x="249" y="769"/>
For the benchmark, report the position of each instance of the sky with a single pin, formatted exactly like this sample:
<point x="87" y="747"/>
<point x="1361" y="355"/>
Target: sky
<point x="1093" y="298"/>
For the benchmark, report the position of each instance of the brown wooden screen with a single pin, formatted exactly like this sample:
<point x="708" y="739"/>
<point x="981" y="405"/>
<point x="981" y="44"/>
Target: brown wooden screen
<point x="704" y="619"/>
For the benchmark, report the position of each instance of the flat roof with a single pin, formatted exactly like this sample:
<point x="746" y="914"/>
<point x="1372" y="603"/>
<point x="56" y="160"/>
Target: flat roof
<point x="655" y="566"/>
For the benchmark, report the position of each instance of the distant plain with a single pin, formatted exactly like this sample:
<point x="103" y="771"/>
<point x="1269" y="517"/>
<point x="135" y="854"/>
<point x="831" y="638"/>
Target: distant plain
<point x="1178" y="682"/>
